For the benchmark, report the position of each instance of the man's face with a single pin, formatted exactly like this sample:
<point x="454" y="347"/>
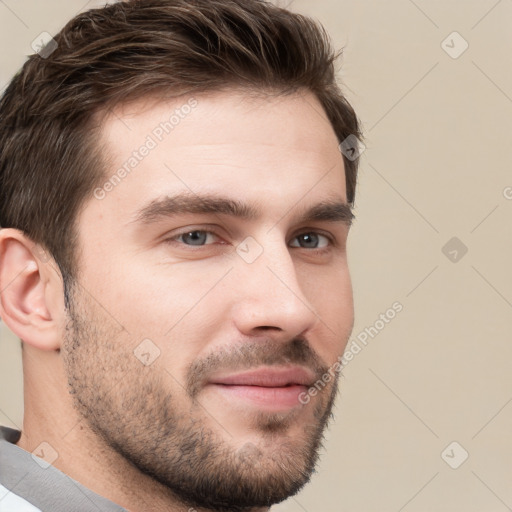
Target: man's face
<point x="213" y="291"/>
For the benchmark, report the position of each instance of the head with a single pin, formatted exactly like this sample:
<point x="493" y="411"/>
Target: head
<point x="175" y="211"/>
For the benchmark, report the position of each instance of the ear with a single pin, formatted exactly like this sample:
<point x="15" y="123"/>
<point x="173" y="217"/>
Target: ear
<point x="31" y="291"/>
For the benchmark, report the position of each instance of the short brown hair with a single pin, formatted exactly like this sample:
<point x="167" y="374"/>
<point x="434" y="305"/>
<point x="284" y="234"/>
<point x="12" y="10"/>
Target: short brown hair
<point x="50" y="152"/>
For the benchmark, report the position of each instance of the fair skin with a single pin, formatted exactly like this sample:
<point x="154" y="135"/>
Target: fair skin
<point x="212" y="316"/>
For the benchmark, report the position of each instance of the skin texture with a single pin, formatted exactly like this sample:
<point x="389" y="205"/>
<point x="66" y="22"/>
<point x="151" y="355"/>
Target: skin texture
<point x="153" y="432"/>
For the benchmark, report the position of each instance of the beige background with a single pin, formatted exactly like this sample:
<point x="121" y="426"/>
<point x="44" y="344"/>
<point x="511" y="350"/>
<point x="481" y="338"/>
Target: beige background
<point x="436" y="166"/>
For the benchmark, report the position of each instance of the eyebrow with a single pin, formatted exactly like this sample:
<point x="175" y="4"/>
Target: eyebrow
<point x="334" y="210"/>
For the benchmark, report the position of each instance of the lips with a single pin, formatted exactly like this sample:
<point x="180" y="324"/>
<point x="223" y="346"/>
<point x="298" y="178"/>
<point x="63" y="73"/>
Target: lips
<point x="268" y="378"/>
<point x="273" y="389"/>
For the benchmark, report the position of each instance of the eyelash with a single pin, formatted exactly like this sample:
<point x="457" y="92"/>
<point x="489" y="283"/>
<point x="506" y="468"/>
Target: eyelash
<point x="173" y="239"/>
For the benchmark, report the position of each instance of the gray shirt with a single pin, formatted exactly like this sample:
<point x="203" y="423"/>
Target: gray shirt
<point x="28" y="484"/>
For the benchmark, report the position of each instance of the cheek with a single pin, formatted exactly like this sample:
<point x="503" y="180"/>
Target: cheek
<point x="155" y="299"/>
<point x="330" y="295"/>
<point x="177" y="307"/>
<point x="329" y="289"/>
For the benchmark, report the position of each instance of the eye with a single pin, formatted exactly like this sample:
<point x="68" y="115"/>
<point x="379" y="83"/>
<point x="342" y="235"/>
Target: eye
<point x="311" y="241"/>
<point x="197" y="237"/>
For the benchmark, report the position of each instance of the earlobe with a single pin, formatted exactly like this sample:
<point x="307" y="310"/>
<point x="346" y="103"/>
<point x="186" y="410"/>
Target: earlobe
<point x="26" y="284"/>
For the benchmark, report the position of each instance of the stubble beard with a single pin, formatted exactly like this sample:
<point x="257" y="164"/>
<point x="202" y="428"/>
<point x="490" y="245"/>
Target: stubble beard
<point x="173" y="439"/>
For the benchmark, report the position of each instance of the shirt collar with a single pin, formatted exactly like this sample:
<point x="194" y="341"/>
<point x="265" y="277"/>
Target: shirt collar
<point x="43" y="485"/>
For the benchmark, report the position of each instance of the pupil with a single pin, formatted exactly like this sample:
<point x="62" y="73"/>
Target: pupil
<point x="195" y="237"/>
<point x="310" y="240"/>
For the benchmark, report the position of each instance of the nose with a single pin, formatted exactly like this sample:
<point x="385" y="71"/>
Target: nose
<point x="270" y="298"/>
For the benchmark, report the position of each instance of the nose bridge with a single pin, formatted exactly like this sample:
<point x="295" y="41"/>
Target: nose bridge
<point x="275" y="267"/>
<point x="271" y="293"/>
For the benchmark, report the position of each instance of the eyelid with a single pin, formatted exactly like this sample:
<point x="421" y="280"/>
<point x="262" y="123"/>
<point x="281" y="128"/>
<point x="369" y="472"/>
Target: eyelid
<point x="172" y="236"/>
<point x="306" y="231"/>
<point x="209" y="228"/>
<point x="207" y="233"/>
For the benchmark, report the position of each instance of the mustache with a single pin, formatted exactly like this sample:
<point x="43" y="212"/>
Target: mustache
<point x="250" y="354"/>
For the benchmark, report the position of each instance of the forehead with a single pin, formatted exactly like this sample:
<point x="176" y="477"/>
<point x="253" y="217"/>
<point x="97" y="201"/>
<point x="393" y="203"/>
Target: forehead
<point x="290" y="118"/>
<point x="255" y="147"/>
